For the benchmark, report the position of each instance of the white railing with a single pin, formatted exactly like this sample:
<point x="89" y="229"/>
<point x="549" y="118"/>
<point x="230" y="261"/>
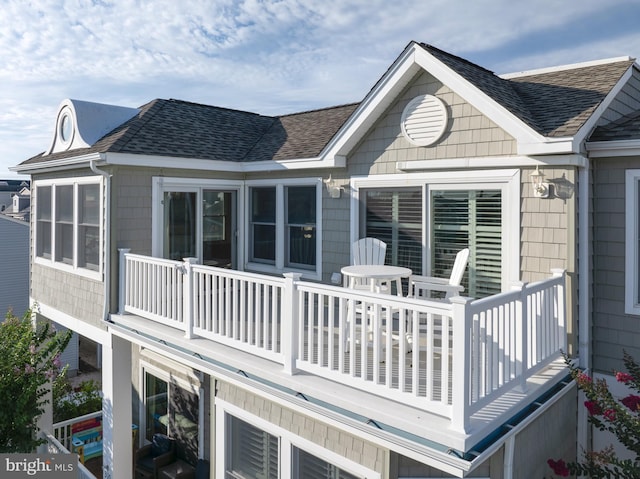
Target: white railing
<point x="54" y="446"/>
<point x="450" y="358"/>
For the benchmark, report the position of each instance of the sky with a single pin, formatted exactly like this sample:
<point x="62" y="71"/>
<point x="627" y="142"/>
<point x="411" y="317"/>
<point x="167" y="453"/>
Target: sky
<point x="269" y="57"/>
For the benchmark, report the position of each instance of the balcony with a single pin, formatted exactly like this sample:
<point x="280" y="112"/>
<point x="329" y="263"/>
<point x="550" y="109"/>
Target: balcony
<point x="470" y="365"/>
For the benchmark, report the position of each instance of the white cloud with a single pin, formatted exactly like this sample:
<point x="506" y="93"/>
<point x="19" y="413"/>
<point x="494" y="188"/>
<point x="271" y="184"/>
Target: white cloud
<point x="266" y="56"/>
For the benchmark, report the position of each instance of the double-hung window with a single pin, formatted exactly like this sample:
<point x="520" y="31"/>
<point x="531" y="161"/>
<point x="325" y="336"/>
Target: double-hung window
<point x="283" y="226"/>
<point x="632" y="242"/>
<point x="67" y="225"/>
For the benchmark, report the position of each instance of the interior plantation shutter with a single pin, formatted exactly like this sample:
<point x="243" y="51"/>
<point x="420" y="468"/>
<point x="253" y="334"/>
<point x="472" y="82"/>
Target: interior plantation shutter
<point x="473" y="219"/>
<point x="312" y="467"/>
<point x="254" y="452"/>
<point x="395" y="217"/>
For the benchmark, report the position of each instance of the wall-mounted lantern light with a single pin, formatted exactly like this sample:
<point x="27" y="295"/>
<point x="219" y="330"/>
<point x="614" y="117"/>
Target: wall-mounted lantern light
<point x="332" y="188"/>
<point x="540" y="188"/>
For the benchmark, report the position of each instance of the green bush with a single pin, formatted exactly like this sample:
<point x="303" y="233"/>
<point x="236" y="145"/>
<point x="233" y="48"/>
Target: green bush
<point x="29" y="362"/>
<point x="69" y="403"/>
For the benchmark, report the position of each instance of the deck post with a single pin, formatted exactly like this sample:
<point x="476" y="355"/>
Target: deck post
<point x="289" y="322"/>
<point x="187" y="295"/>
<point x="522" y="324"/>
<point x="122" y="283"/>
<point x="461" y="371"/>
<point x="561" y="312"/>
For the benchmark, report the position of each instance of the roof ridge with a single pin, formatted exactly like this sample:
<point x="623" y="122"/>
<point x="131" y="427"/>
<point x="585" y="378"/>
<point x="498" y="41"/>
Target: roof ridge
<point x="566" y="67"/>
<point x="343" y="105"/>
<point x="428" y="46"/>
<point x="216" y="107"/>
<point x="130" y="127"/>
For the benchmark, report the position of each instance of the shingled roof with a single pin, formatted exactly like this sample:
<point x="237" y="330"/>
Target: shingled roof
<point x="625" y="128"/>
<point x="555" y="103"/>
<point x="182" y="129"/>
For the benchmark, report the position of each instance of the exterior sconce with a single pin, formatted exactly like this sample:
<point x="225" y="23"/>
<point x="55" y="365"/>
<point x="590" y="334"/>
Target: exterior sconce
<point x="332" y="188"/>
<point x="540" y="188"/>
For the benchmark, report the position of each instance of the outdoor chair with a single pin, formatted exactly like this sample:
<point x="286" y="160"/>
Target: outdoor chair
<point x="424" y="287"/>
<point x="151" y="458"/>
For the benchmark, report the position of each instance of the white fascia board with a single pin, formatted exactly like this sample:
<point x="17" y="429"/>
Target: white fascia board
<point x="79" y="326"/>
<point x="153" y="161"/>
<point x="502" y="117"/>
<point x="373" y="105"/>
<point x="603" y="149"/>
<point x="576" y="160"/>
<point x="63" y="163"/>
<point x="550" y="146"/>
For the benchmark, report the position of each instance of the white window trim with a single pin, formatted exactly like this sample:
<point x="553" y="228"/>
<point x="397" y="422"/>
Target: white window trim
<point x="507" y="180"/>
<point x="287" y="440"/>
<point x="159" y="184"/>
<point x="279" y="267"/>
<point x="51" y="262"/>
<point x="632" y="236"/>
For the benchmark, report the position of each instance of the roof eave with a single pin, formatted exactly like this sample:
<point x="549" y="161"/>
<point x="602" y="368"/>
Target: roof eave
<point x="203" y="164"/>
<point x="604" y="149"/>
<point x="57" y="165"/>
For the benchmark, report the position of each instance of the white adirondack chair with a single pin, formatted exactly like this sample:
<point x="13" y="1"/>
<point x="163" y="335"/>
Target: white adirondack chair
<point x="424" y="286"/>
<point x="368" y="251"/>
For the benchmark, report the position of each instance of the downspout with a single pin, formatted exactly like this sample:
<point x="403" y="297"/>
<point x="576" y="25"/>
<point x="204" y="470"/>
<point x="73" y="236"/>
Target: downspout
<point x="107" y="238"/>
<point x="584" y="284"/>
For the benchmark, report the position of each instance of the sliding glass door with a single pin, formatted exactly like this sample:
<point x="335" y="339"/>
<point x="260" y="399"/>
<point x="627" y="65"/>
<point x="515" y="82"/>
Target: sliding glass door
<point x="199" y="223"/>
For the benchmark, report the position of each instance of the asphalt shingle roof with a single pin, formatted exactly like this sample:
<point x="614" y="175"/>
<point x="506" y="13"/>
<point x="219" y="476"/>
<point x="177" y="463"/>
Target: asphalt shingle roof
<point x="189" y="130"/>
<point x="555" y="103"/>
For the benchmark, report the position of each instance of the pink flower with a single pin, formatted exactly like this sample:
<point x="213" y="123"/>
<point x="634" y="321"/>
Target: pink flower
<point x="56" y="361"/>
<point x="559" y="467"/>
<point x="632" y="402"/>
<point x="29" y="369"/>
<point x="610" y="415"/>
<point x="32" y="349"/>
<point x="593" y="408"/>
<point x="624" y="377"/>
<point x="583" y="380"/>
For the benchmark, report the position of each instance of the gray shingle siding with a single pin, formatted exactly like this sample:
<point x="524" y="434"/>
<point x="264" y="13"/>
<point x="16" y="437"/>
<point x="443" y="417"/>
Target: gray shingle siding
<point x="613" y="330"/>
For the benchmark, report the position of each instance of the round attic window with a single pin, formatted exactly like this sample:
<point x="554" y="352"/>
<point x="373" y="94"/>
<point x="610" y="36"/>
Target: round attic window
<point x="65" y="127"/>
<point x="424" y="120"/>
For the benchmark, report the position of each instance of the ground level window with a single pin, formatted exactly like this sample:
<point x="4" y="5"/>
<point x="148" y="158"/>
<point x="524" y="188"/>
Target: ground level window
<point x="311" y="467"/>
<point x="251" y="452"/>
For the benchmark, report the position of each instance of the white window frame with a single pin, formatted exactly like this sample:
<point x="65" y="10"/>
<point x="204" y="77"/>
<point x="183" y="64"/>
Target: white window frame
<point x="160" y="184"/>
<point x="287" y="440"/>
<point x="506" y="180"/>
<point x="74" y="267"/>
<point x="632" y="237"/>
<point x="280" y="262"/>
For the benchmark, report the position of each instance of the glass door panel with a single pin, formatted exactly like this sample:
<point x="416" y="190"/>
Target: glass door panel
<point x="217" y="228"/>
<point x="156" y="405"/>
<point x="180" y="227"/>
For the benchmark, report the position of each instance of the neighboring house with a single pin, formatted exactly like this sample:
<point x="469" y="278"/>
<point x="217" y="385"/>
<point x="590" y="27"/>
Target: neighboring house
<point x="8" y="188"/>
<point x="14" y="261"/>
<point x="249" y="355"/>
<point x="20" y="207"/>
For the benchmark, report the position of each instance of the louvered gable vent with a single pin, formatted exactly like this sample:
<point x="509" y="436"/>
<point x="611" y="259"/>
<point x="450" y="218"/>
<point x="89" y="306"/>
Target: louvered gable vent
<point x="424" y="120"/>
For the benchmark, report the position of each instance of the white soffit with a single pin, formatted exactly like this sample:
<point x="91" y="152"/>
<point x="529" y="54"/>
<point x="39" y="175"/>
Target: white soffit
<point x="424" y="120"/>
